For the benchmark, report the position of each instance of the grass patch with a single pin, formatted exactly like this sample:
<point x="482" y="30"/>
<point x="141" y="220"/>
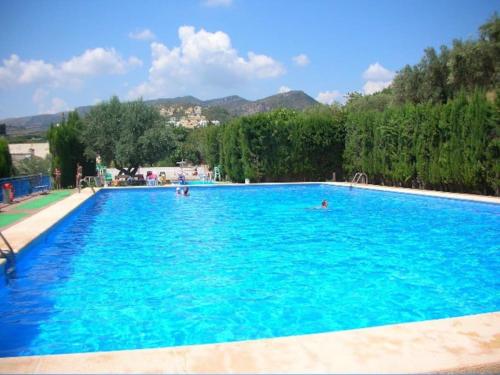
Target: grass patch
<point x="7" y="219"/>
<point x="44" y="200"/>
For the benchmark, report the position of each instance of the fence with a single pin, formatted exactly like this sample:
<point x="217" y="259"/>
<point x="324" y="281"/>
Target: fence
<point x="26" y="185"/>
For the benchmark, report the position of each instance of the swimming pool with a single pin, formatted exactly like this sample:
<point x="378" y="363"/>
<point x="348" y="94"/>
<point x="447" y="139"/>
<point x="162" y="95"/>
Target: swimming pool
<point x="143" y="268"/>
<point x="199" y="182"/>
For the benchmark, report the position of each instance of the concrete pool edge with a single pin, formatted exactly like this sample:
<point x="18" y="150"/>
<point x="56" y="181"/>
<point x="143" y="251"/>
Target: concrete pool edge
<point x="427" y="193"/>
<point x="469" y="344"/>
<point x="463" y="344"/>
<point x="22" y="233"/>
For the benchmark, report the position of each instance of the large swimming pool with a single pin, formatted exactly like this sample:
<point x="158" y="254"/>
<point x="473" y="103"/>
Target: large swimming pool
<point x="144" y="268"/>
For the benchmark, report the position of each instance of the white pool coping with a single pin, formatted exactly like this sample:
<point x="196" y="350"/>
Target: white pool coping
<point x="462" y="344"/>
<point x="428" y="193"/>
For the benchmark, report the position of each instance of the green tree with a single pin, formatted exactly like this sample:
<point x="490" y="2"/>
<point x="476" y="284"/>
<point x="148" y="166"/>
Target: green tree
<point x="490" y="38"/>
<point x="127" y="135"/>
<point x="231" y="154"/>
<point x="34" y="165"/>
<point x="282" y="145"/>
<point x="5" y="159"/>
<point x="318" y="138"/>
<point x="216" y="113"/>
<point x="67" y="149"/>
<point x="209" y="144"/>
<point x="467" y="65"/>
<point x="492" y="152"/>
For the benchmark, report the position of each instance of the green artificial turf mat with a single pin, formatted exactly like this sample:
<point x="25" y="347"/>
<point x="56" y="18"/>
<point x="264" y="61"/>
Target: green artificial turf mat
<point x="44" y="200"/>
<point x="7" y="218"/>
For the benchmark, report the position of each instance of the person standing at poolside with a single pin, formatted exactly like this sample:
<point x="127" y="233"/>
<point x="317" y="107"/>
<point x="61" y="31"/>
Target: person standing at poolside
<point x="57" y="178"/>
<point x="79" y="175"/>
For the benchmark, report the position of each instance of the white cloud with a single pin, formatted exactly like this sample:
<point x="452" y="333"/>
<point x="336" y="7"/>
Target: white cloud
<point x="45" y="106"/>
<point x="17" y="72"/>
<point x="57" y="105"/>
<point x="328" y="97"/>
<point x="35" y="71"/>
<point x="301" y="60"/>
<point x="145" y="34"/>
<point x="284" y="89"/>
<point x="202" y="60"/>
<point x="217" y="3"/>
<point x="97" y="61"/>
<point x="133" y="62"/>
<point x="376" y="78"/>
<point x="371" y="87"/>
<point x="70" y="73"/>
<point x="377" y="72"/>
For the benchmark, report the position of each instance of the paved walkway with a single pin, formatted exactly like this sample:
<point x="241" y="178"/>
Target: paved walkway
<point x="19" y="210"/>
<point x="467" y="345"/>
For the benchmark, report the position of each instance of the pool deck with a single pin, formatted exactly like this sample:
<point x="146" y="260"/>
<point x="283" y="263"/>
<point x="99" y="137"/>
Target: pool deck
<point x="428" y="193"/>
<point x="469" y="344"/>
<point x="23" y="232"/>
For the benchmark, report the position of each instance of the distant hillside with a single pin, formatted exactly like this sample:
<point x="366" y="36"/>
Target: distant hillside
<point x="292" y="99"/>
<point x="234" y="105"/>
<point x="38" y="123"/>
<point x="191" y="100"/>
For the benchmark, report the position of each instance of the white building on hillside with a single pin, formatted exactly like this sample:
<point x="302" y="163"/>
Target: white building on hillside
<point x="21" y="151"/>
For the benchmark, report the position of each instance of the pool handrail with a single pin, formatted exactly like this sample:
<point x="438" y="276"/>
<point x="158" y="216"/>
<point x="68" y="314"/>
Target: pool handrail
<point x="360" y="177"/>
<point x="9" y="256"/>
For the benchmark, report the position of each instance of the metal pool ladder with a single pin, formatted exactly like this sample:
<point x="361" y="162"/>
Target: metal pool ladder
<point x="360" y="178"/>
<point x="9" y="256"/>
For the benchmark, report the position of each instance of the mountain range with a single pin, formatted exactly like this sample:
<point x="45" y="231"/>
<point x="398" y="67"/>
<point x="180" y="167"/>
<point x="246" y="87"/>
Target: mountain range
<point x="234" y="105"/>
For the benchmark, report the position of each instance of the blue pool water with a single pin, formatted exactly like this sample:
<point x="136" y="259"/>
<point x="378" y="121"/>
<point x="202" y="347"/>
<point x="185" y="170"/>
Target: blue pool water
<point x="200" y="182"/>
<point x="144" y="268"/>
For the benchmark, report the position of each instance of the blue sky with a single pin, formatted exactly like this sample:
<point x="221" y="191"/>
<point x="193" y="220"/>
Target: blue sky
<point x="57" y="55"/>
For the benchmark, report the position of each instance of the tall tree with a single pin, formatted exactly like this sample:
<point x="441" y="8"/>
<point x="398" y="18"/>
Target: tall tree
<point x="127" y="135"/>
<point x="209" y="141"/>
<point x="5" y="159"/>
<point x="441" y="76"/>
<point x="67" y="149"/>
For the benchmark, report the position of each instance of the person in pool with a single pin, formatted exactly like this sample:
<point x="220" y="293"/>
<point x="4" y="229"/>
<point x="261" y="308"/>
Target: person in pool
<point x="324" y="204"/>
<point x="186" y="191"/>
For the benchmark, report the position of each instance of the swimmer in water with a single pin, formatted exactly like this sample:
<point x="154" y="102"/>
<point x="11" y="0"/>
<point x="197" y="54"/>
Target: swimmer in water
<point x="324" y="204"/>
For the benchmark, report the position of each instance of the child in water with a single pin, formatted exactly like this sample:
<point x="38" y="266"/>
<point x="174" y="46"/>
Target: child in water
<point x="184" y="191"/>
<point x="324" y="204"/>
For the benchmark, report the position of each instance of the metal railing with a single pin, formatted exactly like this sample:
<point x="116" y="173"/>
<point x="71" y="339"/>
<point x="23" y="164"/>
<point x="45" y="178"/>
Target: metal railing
<point x="91" y="182"/>
<point x="10" y="258"/>
<point x="360" y="178"/>
<point x="26" y="185"/>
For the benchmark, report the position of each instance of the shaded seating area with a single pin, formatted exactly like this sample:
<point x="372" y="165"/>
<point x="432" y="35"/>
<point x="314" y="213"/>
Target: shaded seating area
<point x="159" y="176"/>
<point x="126" y="180"/>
